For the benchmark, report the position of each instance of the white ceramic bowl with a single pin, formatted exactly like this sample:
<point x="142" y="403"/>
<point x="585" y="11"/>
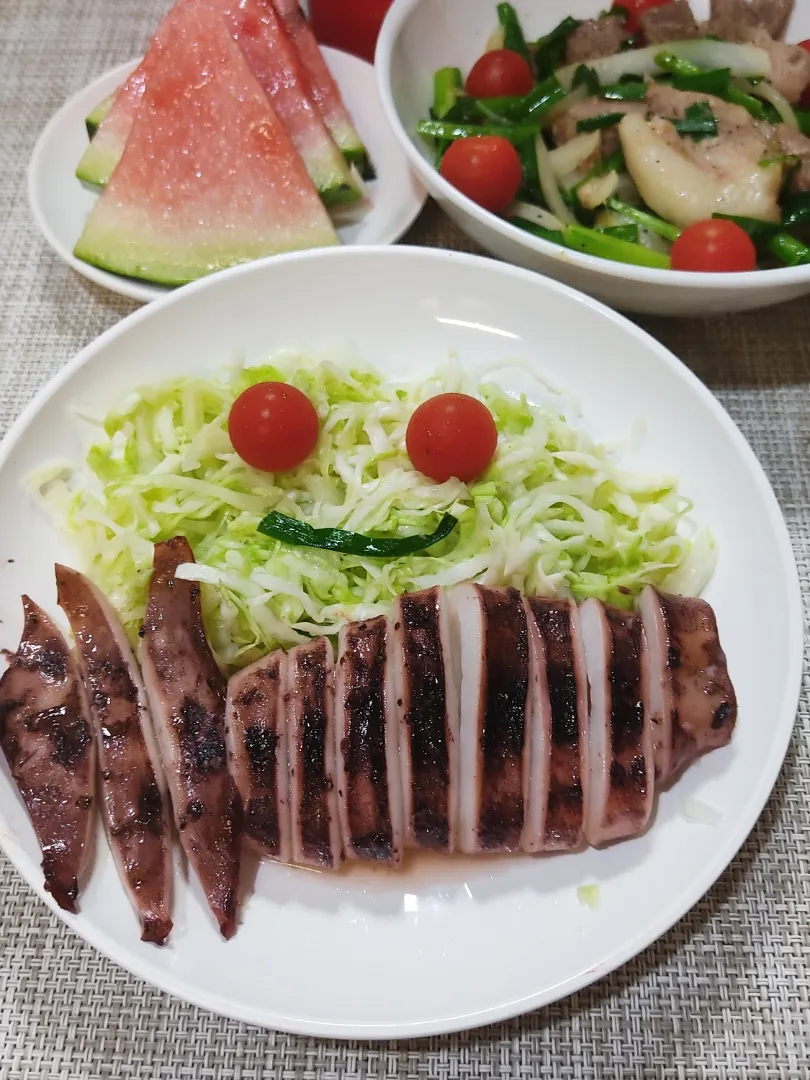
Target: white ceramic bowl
<point x="419" y="36"/>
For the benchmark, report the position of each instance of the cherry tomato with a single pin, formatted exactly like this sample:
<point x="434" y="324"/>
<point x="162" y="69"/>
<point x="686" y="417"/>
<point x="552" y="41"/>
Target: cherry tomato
<point x="805" y="98"/>
<point x="273" y="426"/>
<point x="451" y="435"/>
<point x="351" y="25"/>
<point x="500" y="73"/>
<point x="715" y="246"/>
<point x="636" y="8"/>
<point x="485" y="168"/>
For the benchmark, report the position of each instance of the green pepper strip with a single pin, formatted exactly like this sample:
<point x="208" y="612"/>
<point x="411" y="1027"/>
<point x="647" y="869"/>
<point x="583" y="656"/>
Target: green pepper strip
<point x="447" y="86"/>
<point x="513" y="38"/>
<point x="591" y="242"/>
<point x="300" y="534"/>
<point x="647" y="221"/>
<point x="515" y="133"/>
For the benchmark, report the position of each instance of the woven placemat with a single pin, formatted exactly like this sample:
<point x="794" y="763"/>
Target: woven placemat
<point x="724" y="994"/>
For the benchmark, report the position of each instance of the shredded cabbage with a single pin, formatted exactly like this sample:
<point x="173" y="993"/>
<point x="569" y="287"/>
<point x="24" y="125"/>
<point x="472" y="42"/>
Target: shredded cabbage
<point x="553" y="514"/>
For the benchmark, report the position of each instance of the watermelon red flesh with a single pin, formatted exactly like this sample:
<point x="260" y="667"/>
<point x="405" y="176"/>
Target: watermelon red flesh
<point x="107" y="145"/>
<point x="274" y="61"/>
<point x="322" y="87"/>
<point x="209" y="177"/>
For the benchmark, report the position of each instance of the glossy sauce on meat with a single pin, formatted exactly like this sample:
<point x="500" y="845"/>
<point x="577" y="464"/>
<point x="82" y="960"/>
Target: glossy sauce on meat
<point x="256" y="736"/>
<point x="427" y="700"/>
<point x="134" y="801"/>
<point x="48" y="742"/>
<point x="369" y="785"/>
<point x="310" y="704"/>
<point x="187" y="696"/>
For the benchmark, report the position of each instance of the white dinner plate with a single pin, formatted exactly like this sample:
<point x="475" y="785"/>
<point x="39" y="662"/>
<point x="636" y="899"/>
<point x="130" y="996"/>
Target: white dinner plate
<point x="448" y="944"/>
<point x="60" y="202"/>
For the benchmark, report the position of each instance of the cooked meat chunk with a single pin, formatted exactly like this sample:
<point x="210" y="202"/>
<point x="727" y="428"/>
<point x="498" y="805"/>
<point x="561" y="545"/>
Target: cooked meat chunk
<point x="672" y="22"/>
<point x="790" y="64"/>
<point x="733" y="19"/>
<point x="565" y="127"/>
<point x="594" y="38"/>
<point x="793" y="142"/>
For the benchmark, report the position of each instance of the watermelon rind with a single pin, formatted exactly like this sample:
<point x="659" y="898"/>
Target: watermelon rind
<point x="93" y="119"/>
<point x="132" y="256"/>
<point x="97" y="164"/>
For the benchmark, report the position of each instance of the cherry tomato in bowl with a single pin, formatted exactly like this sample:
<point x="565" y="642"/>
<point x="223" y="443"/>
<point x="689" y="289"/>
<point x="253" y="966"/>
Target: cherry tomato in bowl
<point x="451" y="435"/>
<point x="714" y="246"/>
<point x="635" y="9"/>
<point x="500" y="73"/>
<point x="273" y="426"/>
<point x="485" y="168"/>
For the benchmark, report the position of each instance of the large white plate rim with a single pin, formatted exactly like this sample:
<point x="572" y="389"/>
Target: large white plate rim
<point x="685" y="900"/>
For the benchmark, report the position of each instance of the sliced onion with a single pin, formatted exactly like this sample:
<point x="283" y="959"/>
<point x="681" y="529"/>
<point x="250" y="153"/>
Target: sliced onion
<point x="548" y="183"/>
<point x="561" y="108"/>
<point x="768" y="92"/>
<point x="495" y="40"/>
<point x="537" y="215"/>
<point x="595" y="192"/>
<point x="572" y="154"/>
<point x="746" y="61"/>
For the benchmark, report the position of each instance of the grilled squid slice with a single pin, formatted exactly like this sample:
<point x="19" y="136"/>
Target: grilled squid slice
<point x="368" y="777"/>
<point x="621" y="754"/>
<point x="256" y="739"/>
<point x="310" y="702"/>
<point x="690" y="698"/>
<point x="47" y="738"/>
<point x="496" y="707"/>
<point x="134" y="801"/>
<point x="427" y="704"/>
<point x="186" y="693"/>
<point x="558" y="732"/>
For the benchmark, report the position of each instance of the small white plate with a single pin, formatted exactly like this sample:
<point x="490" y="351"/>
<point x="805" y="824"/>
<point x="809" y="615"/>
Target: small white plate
<point x="60" y="203"/>
<point x="452" y="943"/>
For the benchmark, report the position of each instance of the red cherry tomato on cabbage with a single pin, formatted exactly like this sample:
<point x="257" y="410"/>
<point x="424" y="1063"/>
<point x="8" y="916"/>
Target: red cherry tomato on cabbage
<point x="805" y="98"/>
<point x="500" y="73"/>
<point x="451" y="435"/>
<point x="485" y="168"/>
<point x="715" y="246"/>
<point x="273" y="426"/>
<point x="636" y="8"/>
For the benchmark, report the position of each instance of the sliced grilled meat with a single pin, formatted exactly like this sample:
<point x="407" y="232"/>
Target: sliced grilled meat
<point x="47" y="738"/>
<point x="495" y="710"/>
<point x="256" y="739"/>
<point x="134" y="801"/>
<point x="559" y="731"/>
<point x="427" y="703"/>
<point x="595" y="38"/>
<point x="186" y="693"/>
<point x="310" y="703"/>
<point x="621" y="757"/>
<point x="691" y="698"/>
<point x="369" y="782"/>
<point x="670" y="22"/>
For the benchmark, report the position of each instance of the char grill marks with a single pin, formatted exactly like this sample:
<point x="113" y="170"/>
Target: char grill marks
<point x="558" y="731"/>
<point x="310" y="703"/>
<point x="187" y="695"/>
<point x="369" y="785"/>
<point x="494" y="763"/>
<point x="256" y="738"/>
<point x="133" y="795"/>
<point x="693" y="704"/>
<point x="427" y="703"/>
<point x="621" y="758"/>
<point x="47" y="739"/>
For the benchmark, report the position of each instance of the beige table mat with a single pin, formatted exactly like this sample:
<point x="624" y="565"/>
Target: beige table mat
<point x="724" y="994"/>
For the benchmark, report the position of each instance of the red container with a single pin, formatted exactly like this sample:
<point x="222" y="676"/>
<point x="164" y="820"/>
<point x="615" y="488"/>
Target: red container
<point x="351" y="25"/>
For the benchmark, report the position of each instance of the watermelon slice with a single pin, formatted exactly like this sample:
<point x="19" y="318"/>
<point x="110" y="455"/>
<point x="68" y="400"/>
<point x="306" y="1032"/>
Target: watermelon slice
<point x="94" y="119"/>
<point x="322" y="87"/>
<point x="274" y="61"/>
<point x="107" y="145"/>
<point x="209" y="177"/>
